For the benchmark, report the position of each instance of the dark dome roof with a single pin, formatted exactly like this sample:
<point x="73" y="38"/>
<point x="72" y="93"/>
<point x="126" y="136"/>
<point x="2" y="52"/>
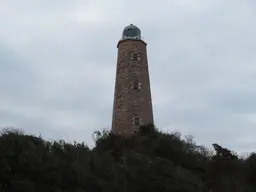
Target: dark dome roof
<point x="131" y="32"/>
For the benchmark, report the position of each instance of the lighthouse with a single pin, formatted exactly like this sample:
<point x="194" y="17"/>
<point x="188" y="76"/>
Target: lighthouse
<point x="132" y="95"/>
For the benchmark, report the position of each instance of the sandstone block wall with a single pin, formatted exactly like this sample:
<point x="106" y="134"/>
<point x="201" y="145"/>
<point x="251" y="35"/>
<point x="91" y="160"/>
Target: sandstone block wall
<point x="130" y="103"/>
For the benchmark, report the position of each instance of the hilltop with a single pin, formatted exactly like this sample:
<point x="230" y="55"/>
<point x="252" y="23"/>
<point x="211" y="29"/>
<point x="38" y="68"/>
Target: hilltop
<point x="149" y="161"/>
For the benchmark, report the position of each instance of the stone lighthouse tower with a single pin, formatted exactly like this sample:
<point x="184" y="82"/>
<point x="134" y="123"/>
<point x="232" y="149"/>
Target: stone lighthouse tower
<point x="132" y="98"/>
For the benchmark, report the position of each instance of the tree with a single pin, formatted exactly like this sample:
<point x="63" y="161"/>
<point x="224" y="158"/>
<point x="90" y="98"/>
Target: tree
<point x="148" y="161"/>
<point x="226" y="172"/>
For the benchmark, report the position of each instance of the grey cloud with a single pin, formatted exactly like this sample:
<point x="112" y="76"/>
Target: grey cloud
<point x="58" y="65"/>
<point x="34" y="126"/>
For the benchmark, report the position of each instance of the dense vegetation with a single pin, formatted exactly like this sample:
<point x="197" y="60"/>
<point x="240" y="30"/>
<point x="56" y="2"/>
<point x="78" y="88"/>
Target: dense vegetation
<point x="148" y="161"/>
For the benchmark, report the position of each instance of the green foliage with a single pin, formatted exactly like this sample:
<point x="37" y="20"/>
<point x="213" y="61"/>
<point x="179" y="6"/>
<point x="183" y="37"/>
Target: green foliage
<point x="148" y="161"/>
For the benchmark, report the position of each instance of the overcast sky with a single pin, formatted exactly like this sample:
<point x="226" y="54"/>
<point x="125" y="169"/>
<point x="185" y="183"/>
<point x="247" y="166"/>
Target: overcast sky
<point x="58" y="61"/>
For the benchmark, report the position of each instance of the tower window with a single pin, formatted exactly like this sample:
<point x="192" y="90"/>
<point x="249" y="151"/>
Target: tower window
<point x="135" y="57"/>
<point x="136" y="85"/>
<point x="137" y="120"/>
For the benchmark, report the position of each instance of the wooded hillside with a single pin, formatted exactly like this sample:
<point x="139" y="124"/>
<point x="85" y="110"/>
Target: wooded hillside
<point x="147" y="162"/>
